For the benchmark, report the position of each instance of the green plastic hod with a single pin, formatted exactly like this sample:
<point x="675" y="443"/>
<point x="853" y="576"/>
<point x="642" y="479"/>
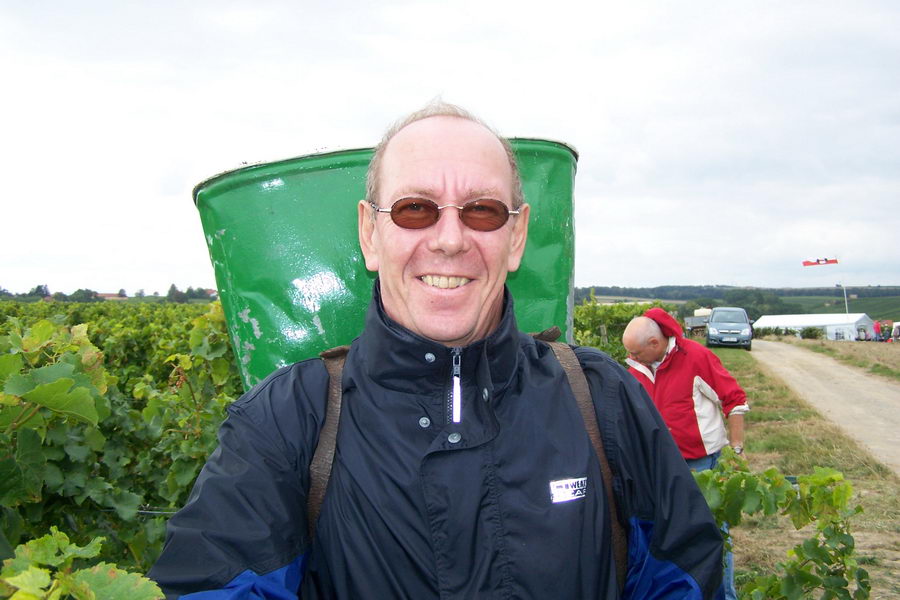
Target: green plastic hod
<point x="282" y="238"/>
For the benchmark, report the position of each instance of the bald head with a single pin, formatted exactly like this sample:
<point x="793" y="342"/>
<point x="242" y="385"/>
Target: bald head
<point x="438" y="109"/>
<point x="644" y="341"/>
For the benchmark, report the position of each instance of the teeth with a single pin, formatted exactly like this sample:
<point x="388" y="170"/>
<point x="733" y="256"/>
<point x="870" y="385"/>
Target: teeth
<point x="440" y="281"/>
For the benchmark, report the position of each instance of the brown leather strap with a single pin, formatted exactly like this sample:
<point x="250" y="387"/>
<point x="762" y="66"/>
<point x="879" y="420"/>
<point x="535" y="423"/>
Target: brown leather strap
<point x="323" y="457"/>
<point x="578" y="382"/>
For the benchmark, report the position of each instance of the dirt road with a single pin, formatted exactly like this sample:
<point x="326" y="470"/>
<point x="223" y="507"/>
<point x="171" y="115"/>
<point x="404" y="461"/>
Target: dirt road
<point x="867" y="407"/>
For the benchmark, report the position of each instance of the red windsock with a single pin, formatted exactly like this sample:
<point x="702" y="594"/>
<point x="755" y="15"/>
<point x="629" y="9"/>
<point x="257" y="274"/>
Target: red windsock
<point x="666" y="322"/>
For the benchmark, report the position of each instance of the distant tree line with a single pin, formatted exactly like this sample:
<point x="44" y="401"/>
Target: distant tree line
<point x="718" y="292"/>
<point x="176" y="295"/>
<point x="42" y="292"/>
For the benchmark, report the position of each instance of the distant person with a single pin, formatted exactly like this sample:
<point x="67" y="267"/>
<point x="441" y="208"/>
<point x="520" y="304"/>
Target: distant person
<point x="692" y="389"/>
<point x="463" y="467"/>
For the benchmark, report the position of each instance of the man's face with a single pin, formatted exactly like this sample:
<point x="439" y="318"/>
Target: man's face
<point x="444" y="282"/>
<point x="646" y="354"/>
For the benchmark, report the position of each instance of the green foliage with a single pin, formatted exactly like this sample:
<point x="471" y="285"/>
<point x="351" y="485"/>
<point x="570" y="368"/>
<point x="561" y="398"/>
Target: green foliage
<point x="84" y="295"/>
<point x="879" y="307"/>
<point x="812" y="333"/>
<point x="102" y="443"/>
<point x="45" y="568"/>
<point x="758" y="303"/>
<point x="591" y="316"/>
<point x="759" y="332"/>
<point x="108" y="411"/>
<point x="824" y="563"/>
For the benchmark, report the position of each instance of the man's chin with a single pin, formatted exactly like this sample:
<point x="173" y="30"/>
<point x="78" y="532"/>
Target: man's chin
<point x="451" y="335"/>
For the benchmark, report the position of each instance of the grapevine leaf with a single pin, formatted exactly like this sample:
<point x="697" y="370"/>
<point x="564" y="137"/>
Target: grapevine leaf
<point x="9" y="414"/>
<point x="57" y="397"/>
<point x="752" y="501"/>
<point x="11" y="528"/>
<point x="51" y="373"/>
<point x="53" y="477"/>
<point x="95" y="440"/>
<point x="76" y="478"/>
<point x="18" y="384"/>
<point x="77" y="452"/>
<point x="126" y="504"/>
<point x="221" y="371"/>
<point x="33" y="581"/>
<point x="790" y="588"/>
<point x="97" y="489"/>
<point x="31" y="461"/>
<point x="43" y="550"/>
<point x="38" y="336"/>
<point x="89" y="550"/>
<point x="111" y="583"/>
<point x="10" y="364"/>
<point x="12" y="483"/>
<point x="734" y="499"/>
<point x="184" y="472"/>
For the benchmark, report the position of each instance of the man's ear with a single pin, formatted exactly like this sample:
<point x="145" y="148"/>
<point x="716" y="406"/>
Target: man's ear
<point x="518" y="238"/>
<point x="367" y="243"/>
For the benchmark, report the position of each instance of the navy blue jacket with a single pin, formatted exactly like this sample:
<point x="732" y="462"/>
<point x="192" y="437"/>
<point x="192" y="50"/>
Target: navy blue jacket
<point x="512" y="507"/>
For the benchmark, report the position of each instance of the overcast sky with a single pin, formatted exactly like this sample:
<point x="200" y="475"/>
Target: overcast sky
<point x="720" y="142"/>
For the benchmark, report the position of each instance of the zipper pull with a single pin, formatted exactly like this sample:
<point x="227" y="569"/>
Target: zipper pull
<point x="457" y="388"/>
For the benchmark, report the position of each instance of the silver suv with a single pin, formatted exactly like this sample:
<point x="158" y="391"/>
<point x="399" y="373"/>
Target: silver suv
<point x="729" y="326"/>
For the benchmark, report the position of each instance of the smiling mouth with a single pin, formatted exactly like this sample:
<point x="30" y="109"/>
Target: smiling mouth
<point x="440" y="281"/>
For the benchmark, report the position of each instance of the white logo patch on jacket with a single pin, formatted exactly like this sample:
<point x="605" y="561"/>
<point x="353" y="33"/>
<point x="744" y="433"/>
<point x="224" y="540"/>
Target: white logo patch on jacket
<point x="564" y="490"/>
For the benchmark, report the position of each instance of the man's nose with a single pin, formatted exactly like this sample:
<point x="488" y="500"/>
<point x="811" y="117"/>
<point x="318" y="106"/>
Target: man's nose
<point x="450" y="233"/>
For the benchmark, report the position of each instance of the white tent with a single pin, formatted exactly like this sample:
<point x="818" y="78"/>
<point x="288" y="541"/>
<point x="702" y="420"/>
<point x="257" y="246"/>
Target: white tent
<point x="837" y="326"/>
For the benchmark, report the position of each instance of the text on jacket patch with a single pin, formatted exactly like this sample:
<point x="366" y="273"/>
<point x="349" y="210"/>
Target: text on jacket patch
<point x="564" y="490"/>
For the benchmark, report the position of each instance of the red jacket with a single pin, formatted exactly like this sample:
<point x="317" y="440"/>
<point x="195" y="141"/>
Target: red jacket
<point x="691" y="390"/>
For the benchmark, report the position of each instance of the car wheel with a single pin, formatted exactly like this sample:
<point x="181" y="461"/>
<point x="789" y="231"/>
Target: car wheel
<point x="747" y="347"/>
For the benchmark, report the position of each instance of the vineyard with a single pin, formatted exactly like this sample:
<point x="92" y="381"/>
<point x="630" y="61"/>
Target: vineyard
<point x="108" y="411"/>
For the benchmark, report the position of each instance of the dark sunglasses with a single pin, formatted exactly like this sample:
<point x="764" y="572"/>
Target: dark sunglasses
<point x="485" y="214"/>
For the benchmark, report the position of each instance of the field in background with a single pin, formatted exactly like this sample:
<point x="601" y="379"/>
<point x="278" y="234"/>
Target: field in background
<point x="633" y="300"/>
<point x="884" y="307"/>
<point x="783" y="431"/>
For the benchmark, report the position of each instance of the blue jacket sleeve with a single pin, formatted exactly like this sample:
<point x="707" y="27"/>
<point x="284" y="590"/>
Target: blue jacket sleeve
<point x="243" y="531"/>
<point x="674" y="545"/>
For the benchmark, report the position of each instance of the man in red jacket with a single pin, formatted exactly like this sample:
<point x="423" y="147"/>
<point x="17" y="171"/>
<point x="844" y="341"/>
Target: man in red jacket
<point x="692" y="391"/>
<point x="689" y="385"/>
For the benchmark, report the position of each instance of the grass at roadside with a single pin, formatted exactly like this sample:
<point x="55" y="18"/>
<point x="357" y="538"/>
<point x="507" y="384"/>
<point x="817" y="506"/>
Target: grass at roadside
<point x="878" y="358"/>
<point x="783" y="431"/>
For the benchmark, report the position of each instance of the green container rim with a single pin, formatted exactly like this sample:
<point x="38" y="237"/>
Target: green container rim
<point x="259" y="170"/>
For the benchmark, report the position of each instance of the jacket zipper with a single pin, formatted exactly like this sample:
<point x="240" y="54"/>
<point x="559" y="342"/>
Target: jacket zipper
<point x="455" y="400"/>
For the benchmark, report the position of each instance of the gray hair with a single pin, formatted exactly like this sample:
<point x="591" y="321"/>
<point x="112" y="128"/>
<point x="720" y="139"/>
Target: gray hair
<point x="439" y="108"/>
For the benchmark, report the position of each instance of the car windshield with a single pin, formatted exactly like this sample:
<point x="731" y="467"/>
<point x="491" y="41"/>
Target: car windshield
<point x="729" y="316"/>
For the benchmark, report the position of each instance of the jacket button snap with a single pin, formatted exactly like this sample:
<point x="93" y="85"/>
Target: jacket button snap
<point x="454" y="438"/>
<point x="424" y="422"/>
<point x="429" y="357"/>
<point x="485" y="394"/>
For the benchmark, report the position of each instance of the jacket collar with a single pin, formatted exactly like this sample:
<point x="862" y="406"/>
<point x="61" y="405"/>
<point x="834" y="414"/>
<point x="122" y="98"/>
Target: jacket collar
<point x="397" y="358"/>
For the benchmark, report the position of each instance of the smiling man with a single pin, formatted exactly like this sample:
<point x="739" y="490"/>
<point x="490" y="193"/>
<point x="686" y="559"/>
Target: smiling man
<point x="445" y="280"/>
<point x="463" y="469"/>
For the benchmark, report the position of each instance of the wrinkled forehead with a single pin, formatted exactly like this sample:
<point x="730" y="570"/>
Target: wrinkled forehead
<point x="446" y="155"/>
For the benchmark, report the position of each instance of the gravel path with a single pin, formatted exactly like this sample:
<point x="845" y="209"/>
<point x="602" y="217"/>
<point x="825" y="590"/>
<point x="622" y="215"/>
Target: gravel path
<point x="866" y="406"/>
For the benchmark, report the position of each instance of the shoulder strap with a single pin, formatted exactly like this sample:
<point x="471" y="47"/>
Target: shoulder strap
<point x="578" y="382"/>
<point x="323" y="457"/>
